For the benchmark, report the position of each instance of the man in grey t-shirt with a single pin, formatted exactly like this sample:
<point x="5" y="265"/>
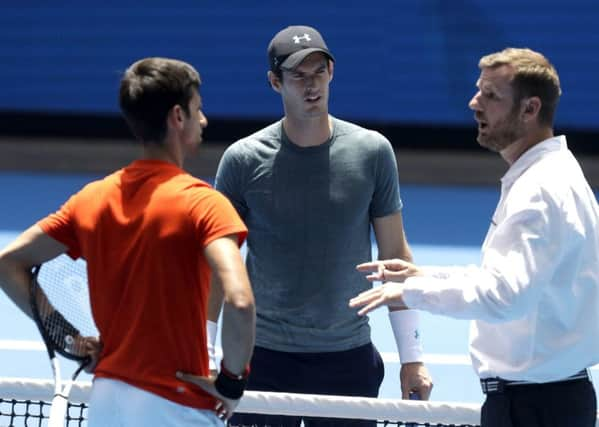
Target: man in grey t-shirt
<point x="308" y="188"/>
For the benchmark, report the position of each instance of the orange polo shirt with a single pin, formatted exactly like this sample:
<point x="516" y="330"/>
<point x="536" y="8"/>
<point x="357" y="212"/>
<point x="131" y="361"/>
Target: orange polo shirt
<point x="143" y="230"/>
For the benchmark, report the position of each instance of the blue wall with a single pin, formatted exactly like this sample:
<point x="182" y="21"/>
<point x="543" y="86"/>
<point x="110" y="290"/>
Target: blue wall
<point x="405" y="62"/>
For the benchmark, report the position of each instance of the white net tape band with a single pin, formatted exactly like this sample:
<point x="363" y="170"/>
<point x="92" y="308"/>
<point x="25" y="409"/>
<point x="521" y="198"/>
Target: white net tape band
<point x="288" y="404"/>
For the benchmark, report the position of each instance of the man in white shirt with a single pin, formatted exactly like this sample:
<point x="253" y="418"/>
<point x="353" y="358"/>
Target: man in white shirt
<point x="535" y="297"/>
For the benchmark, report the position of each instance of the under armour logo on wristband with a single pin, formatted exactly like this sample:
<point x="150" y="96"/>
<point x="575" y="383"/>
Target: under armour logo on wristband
<point x="404" y="324"/>
<point x="297" y="39"/>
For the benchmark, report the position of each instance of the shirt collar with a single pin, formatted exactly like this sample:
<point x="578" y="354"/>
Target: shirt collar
<point x="531" y="156"/>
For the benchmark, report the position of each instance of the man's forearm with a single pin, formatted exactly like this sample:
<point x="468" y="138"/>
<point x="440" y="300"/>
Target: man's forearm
<point x="238" y="335"/>
<point x="14" y="281"/>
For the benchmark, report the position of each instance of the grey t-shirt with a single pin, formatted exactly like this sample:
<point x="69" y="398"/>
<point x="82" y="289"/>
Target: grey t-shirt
<point x="308" y="211"/>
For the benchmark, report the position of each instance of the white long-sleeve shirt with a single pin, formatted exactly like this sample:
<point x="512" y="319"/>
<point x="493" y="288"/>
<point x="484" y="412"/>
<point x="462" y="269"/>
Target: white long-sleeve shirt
<point x="534" y="300"/>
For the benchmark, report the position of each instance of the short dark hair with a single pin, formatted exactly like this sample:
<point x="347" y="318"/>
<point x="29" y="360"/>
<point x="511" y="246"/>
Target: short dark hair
<point x="149" y="89"/>
<point x="279" y="71"/>
<point x="534" y="75"/>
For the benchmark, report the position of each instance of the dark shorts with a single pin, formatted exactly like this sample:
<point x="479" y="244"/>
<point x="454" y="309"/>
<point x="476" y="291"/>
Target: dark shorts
<point x="355" y="372"/>
<point x="558" y="404"/>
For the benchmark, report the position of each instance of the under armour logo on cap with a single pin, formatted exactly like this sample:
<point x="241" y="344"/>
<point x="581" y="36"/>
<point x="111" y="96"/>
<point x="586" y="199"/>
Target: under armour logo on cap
<point x="290" y="46"/>
<point x="298" y="39"/>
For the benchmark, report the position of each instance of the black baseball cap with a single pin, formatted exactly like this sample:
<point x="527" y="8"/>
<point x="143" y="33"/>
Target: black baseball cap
<point x="289" y="47"/>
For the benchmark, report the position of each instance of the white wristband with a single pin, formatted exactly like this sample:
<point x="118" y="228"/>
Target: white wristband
<point x="404" y="324"/>
<point x="211" y="330"/>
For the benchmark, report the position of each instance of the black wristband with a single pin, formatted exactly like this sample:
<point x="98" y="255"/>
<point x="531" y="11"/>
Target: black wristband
<point x="231" y="388"/>
<point x="230" y="385"/>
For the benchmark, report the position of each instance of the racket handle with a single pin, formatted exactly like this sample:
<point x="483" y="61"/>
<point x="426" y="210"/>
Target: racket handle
<point x="414" y="395"/>
<point x="58" y="411"/>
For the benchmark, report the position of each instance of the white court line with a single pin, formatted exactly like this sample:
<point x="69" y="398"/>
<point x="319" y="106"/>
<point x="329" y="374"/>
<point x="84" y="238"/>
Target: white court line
<point x="435" y="359"/>
<point x="388" y="357"/>
<point x="432" y="358"/>
<point x="22" y="345"/>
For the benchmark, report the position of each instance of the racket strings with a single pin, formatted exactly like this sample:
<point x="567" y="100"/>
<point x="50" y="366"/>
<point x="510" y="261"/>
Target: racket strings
<point x="63" y="304"/>
<point x="64" y="334"/>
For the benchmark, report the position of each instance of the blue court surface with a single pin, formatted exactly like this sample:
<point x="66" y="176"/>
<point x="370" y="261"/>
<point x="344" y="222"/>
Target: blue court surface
<point x="445" y="226"/>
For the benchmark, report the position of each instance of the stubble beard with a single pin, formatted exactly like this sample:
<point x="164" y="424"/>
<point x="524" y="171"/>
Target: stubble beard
<point x="504" y="134"/>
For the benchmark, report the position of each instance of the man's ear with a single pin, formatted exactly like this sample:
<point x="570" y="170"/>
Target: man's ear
<point x="274" y="81"/>
<point x="331" y="70"/>
<point x="175" y="116"/>
<point x="531" y="108"/>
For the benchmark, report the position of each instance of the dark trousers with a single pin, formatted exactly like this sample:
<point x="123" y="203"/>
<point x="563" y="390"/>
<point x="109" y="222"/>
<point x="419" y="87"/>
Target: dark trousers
<point x="559" y="404"/>
<point x="355" y="372"/>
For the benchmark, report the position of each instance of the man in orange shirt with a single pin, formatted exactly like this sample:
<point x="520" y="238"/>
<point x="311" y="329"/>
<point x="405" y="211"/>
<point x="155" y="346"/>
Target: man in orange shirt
<point x="152" y="236"/>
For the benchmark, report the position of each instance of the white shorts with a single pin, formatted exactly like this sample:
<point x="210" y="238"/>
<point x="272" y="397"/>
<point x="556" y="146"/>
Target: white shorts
<point x="114" y="403"/>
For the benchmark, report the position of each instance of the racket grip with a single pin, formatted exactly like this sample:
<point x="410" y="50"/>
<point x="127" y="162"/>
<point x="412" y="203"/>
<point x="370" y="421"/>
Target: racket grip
<point x="414" y="395"/>
<point x="58" y="411"/>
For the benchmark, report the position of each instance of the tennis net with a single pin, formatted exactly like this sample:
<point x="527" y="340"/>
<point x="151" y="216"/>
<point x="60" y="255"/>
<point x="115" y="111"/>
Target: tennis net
<point x="25" y="402"/>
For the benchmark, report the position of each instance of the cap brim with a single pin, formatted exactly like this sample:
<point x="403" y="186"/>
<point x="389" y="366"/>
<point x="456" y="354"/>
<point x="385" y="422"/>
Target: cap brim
<point x="296" y="58"/>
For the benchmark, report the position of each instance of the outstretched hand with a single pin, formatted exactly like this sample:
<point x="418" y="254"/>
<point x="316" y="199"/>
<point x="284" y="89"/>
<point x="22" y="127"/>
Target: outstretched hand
<point x="224" y="407"/>
<point x="387" y="294"/>
<point x="389" y="270"/>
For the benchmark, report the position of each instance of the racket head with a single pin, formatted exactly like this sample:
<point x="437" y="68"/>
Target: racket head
<point x="59" y="300"/>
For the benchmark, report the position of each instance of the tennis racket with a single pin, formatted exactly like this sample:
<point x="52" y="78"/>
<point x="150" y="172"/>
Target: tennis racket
<point x="59" y="300"/>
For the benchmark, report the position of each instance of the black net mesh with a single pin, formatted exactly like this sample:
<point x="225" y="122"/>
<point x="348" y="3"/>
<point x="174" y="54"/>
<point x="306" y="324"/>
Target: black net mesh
<point x="34" y="413"/>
